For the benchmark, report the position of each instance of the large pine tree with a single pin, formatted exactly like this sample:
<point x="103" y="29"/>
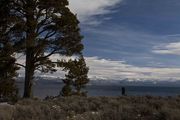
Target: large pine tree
<point x="39" y="29"/>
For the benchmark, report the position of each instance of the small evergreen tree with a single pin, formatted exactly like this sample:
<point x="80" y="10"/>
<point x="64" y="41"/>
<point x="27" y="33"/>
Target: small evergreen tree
<point x="80" y="74"/>
<point x="76" y="78"/>
<point x="8" y="68"/>
<point x="8" y="88"/>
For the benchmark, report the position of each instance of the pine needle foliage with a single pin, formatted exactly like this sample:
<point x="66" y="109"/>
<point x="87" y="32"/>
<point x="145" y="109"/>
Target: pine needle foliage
<point x="8" y="68"/>
<point x="76" y="78"/>
<point x="38" y="29"/>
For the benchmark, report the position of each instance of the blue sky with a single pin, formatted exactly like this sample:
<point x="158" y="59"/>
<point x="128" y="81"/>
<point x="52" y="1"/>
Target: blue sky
<point x="129" y="39"/>
<point x="132" y="30"/>
<point x="139" y="33"/>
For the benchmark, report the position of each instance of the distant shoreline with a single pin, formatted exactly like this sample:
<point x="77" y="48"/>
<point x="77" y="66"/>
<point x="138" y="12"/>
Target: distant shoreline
<point x="43" y="88"/>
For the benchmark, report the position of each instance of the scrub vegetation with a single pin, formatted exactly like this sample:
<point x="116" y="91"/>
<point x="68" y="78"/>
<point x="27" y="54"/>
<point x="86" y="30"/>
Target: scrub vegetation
<point x="94" y="108"/>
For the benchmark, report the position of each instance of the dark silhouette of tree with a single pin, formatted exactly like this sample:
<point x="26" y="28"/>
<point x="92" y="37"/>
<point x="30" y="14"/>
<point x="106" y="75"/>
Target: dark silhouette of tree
<point x="8" y="89"/>
<point x="76" y="78"/>
<point x="39" y="29"/>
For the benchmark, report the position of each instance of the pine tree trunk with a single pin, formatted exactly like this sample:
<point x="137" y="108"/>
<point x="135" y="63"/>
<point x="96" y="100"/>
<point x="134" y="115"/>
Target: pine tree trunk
<point x="29" y="73"/>
<point x="30" y="43"/>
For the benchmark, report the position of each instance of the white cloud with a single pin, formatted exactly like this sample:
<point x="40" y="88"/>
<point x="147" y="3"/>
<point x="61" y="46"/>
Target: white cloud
<point x="171" y="48"/>
<point x="117" y="70"/>
<point x="87" y="9"/>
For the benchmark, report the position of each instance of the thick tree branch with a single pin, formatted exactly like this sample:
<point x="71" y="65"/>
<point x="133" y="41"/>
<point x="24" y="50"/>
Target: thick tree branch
<point x="21" y="65"/>
<point x="44" y="57"/>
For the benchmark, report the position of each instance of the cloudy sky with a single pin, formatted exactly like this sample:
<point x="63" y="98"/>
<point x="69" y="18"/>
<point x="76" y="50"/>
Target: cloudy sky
<point x="129" y="39"/>
<point x="135" y="39"/>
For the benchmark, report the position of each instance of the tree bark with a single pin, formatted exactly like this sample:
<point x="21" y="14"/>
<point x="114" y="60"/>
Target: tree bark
<point x="30" y="43"/>
<point x="29" y="73"/>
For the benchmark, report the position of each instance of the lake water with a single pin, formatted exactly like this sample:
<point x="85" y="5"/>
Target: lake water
<point x="52" y="88"/>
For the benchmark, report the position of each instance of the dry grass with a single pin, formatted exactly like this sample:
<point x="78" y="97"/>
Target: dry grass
<point x="94" y="108"/>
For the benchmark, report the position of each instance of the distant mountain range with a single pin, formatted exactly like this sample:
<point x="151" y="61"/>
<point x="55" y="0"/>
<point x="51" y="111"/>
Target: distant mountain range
<point x="123" y="82"/>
